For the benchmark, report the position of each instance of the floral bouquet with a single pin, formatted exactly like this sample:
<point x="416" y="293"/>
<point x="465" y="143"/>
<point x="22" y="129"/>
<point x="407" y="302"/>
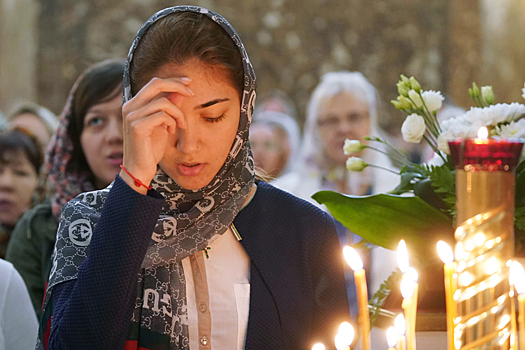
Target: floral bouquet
<point x="421" y="209"/>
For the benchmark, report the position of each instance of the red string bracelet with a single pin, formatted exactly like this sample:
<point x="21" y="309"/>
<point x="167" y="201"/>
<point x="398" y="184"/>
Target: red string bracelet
<point x="138" y="183"/>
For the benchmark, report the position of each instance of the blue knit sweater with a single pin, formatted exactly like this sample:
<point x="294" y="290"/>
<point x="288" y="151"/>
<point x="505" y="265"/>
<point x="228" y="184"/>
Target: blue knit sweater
<point x="297" y="286"/>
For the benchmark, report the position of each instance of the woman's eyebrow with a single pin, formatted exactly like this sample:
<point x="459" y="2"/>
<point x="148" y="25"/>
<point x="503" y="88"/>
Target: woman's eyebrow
<point x="211" y="103"/>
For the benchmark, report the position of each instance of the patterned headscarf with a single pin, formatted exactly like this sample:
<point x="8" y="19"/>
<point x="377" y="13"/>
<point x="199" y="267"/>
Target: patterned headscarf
<point x="66" y="182"/>
<point x="178" y="233"/>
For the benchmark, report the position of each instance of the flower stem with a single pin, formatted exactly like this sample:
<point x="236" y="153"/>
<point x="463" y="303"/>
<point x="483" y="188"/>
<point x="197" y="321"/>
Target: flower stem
<point x="383" y="168"/>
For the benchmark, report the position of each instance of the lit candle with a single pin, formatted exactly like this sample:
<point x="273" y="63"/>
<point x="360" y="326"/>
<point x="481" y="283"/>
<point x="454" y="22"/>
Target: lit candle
<point x="517" y="278"/>
<point x="391" y="338"/>
<point x="400" y="326"/>
<point x="447" y="256"/>
<point x="355" y="262"/>
<point x="344" y="337"/>
<point x="409" y="291"/>
<point x="318" y="346"/>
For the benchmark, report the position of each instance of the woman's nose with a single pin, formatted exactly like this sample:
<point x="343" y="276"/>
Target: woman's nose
<point x="114" y="130"/>
<point x="6" y="180"/>
<point x="187" y="140"/>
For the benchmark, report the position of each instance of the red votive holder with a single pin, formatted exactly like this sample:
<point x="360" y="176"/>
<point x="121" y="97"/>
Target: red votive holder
<point x="486" y="154"/>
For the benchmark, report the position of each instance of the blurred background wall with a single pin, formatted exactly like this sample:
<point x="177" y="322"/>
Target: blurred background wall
<point x="446" y="44"/>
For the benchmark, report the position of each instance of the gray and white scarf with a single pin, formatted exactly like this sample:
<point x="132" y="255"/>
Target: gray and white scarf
<point x="178" y="233"/>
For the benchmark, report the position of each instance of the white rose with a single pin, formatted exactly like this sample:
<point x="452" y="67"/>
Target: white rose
<point x="355" y="164"/>
<point x="433" y="100"/>
<point x="443" y="139"/>
<point x="416" y="99"/>
<point x="353" y="146"/>
<point x="413" y="128"/>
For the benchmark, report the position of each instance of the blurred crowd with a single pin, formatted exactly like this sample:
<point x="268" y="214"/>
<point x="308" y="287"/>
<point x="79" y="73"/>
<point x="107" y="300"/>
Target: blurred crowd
<point x="46" y="160"/>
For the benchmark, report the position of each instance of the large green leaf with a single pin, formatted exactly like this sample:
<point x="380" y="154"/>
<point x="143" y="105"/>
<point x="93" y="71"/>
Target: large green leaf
<point x="385" y="219"/>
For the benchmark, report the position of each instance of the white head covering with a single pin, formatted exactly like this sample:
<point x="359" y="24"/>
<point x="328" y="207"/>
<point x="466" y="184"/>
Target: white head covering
<point x="49" y="119"/>
<point x="332" y="84"/>
<point x="290" y="127"/>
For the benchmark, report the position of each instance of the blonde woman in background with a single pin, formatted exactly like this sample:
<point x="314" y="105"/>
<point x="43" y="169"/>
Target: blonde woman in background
<point x="343" y="106"/>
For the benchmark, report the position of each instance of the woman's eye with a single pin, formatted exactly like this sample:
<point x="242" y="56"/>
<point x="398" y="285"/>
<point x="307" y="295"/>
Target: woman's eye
<point x="215" y="120"/>
<point x="95" y="121"/>
<point x="21" y="173"/>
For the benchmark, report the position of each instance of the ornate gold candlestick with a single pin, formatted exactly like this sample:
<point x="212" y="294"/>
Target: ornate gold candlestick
<point x="485" y="242"/>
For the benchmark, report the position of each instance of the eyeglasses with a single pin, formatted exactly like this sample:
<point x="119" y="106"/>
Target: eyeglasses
<point x="333" y="122"/>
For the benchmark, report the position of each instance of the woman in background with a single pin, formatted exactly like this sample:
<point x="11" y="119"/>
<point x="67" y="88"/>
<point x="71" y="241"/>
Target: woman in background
<point x="40" y="121"/>
<point x="20" y="164"/>
<point x="274" y="138"/>
<point x="85" y="154"/>
<point x="343" y="106"/>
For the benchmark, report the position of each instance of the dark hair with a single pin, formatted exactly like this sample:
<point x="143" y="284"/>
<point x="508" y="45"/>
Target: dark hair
<point x="179" y="37"/>
<point x="19" y="140"/>
<point x="100" y="83"/>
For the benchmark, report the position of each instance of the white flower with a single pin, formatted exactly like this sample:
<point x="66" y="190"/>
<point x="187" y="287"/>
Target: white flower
<point x="523" y="90"/>
<point x="512" y="130"/>
<point x="416" y="99"/>
<point x="433" y="100"/>
<point x="413" y="128"/>
<point x="443" y="139"/>
<point x="487" y="95"/>
<point x="495" y="114"/>
<point x="355" y="164"/>
<point x="353" y="146"/>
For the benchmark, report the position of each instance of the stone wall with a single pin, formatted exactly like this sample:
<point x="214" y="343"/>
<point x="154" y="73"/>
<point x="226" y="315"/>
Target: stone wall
<point x="291" y="42"/>
<point x="446" y="44"/>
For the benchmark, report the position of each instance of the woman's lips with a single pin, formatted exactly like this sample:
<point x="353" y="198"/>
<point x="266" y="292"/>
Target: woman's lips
<point x="192" y="169"/>
<point x="115" y="159"/>
<point x="5" y="204"/>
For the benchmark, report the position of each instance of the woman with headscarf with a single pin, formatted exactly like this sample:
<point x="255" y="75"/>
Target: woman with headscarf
<point x="274" y="140"/>
<point x="85" y="154"/>
<point x="343" y="106"/>
<point x="38" y="120"/>
<point x="186" y="249"/>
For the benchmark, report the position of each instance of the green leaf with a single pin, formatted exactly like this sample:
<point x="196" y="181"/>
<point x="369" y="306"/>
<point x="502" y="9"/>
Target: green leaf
<point x="379" y="297"/>
<point x="385" y="219"/>
<point x="407" y="183"/>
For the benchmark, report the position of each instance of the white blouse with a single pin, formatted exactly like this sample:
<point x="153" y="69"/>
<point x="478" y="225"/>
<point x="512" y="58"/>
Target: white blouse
<point x="226" y="300"/>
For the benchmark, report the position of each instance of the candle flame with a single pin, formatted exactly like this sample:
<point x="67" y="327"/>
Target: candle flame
<point x="340" y="343"/>
<point x="391" y="337"/>
<point x="399" y="324"/>
<point x="407" y="287"/>
<point x="402" y="256"/>
<point x="346" y="334"/>
<point x="445" y="252"/>
<point x="517" y="277"/>
<point x="352" y="258"/>
<point x="318" y="346"/>
<point x="483" y="133"/>
<point x="412" y="274"/>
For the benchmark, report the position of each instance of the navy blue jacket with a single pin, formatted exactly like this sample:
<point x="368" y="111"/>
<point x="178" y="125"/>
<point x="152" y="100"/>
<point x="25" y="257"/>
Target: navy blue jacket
<point x="297" y="293"/>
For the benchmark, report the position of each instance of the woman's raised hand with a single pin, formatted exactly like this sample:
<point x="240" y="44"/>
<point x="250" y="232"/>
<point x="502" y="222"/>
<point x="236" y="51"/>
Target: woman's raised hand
<point x="149" y="119"/>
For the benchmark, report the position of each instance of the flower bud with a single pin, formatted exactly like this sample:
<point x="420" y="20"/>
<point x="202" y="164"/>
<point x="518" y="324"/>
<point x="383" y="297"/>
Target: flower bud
<point x="402" y="89"/>
<point x="415" y="98"/>
<point x="353" y="146"/>
<point x="405" y="80"/>
<point x="415" y="85"/>
<point x="487" y="95"/>
<point x="396" y="104"/>
<point x="405" y="102"/>
<point x="475" y="91"/>
<point x="355" y="164"/>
